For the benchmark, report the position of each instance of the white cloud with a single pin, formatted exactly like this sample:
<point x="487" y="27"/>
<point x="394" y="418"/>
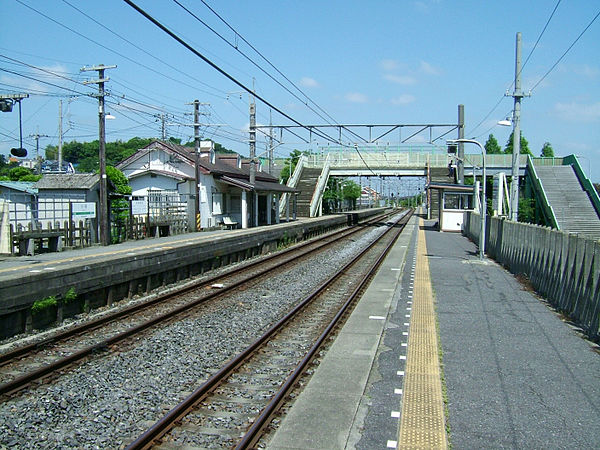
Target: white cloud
<point x="356" y="97"/>
<point x="421" y="7"/>
<point x="586" y="71"/>
<point x="309" y="82"/>
<point x="389" y="64"/>
<point x="403" y="99"/>
<point x="26" y="84"/>
<point x="577" y="112"/>
<point x="428" y="69"/>
<point x="400" y="79"/>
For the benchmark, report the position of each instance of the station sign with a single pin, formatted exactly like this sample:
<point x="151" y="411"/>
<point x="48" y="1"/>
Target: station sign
<point x="139" y="207"/>
<point x="83" y="210"/>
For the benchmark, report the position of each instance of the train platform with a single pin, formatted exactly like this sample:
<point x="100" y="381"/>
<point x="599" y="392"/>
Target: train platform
<point x="512" y="373"/>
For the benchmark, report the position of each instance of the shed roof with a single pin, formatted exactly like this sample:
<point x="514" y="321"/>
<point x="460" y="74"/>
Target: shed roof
<point x="22" y="186"/>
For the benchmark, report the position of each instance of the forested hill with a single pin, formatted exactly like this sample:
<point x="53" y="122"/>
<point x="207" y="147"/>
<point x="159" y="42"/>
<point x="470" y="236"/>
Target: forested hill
<point x="84" y="155"/>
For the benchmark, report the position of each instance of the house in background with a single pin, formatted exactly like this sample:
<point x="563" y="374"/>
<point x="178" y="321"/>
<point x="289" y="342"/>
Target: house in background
<point x="166" y="170"/>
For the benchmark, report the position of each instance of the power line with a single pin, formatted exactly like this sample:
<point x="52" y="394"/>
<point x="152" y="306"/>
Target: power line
<point x="266" y="59"/>
<point x="217" y="68"/>
<point x="566" y="51"/>
<point x="250" y="59"/>
<point x="522" y="67"/>
<point x="141" y="49"/>
<point x="116" y="52"/>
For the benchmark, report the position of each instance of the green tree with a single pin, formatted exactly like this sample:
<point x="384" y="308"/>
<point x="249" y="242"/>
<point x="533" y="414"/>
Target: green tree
<point x="84" y="155"/>
<point x="524" y="145"/>
<point x="119" y="180"/>
<point x="492" y="146"/>
<point x="351" y="191"/>
<point x="16" y="173"/>
<point x="547" y="151"/>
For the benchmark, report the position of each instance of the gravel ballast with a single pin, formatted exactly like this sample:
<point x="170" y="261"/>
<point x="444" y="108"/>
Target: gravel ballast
<point x="108" y="401"/>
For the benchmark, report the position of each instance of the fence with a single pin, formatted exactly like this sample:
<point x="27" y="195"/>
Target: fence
<point x="46" y="216"/>
<point x="563" y="268"/>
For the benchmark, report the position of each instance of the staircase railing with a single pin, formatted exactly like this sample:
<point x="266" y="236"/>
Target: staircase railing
<point x="586" y="184"/>
<point x="317" y="197"/>
<point x="541" y="194"/>
<point x="292" y="181"/>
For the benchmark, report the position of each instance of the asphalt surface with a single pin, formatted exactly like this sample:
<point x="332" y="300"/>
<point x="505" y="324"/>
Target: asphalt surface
<point x="517" y="375"/>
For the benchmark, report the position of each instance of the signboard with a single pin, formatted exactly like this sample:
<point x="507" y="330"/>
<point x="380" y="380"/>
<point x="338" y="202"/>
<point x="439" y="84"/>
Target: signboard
<point x="83" y="210"/>
<point x="139" y="207"/>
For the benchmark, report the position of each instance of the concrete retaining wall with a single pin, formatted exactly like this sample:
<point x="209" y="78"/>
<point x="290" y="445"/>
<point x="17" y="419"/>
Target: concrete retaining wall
<point x="563" y="268"/>
<point x="110" y="278"/>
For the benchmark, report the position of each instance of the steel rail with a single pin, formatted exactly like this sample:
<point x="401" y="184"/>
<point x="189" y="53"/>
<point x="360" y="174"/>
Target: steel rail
<point x="253" y="433"/>
<point x="91" y="325"/>
<point x="21" y="381"/>
<point x="163" y="425"/>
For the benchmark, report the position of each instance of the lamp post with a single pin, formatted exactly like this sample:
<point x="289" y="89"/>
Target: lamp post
<point x="483" y="207"/>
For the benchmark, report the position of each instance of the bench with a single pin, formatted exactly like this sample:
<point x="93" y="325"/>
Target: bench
<point x="229" y="223"/>
<point x="26" y="241"/>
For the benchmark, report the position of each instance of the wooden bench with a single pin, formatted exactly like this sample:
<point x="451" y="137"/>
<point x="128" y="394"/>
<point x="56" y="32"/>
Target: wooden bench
<point x="229" y="223"/>
<point x="26" y="241"/>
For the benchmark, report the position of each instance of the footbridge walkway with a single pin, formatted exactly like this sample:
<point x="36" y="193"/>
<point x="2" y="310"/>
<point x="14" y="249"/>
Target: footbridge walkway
<point x="565" y="198"/>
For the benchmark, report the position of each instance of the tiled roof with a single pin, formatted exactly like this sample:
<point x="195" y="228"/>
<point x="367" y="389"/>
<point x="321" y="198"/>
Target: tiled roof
<point x="67" y="181"/>
<point x="219" y="168"/>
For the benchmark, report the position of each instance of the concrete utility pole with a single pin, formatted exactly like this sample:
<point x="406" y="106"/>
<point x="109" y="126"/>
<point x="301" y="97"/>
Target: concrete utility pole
<point x="60" y="134"/>
<point x="37" y="137"/>
<point x="460" y="165"/>
<point x="271" y="143"/>
<point x="517" y="95"/>
<point x="196" y="157"/>
<point x="104" y="217"/>
<point x="254" y="200"/>
<point x="196" y="126"/>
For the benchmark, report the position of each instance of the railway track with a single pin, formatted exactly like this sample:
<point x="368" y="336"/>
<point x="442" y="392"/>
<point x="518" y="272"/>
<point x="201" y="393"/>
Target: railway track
<point x="232" y="408"/>
<point x="50" y="357"/>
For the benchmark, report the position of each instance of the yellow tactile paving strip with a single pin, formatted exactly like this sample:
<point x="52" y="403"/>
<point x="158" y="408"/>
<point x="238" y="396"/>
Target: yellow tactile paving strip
<point x="422" y="422"/>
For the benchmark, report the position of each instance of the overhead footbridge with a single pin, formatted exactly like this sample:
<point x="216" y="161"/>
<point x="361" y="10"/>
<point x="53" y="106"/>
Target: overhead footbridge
<point x="313" y="171"/>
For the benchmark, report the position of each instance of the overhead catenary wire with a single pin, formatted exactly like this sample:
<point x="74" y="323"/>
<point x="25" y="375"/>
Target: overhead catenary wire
<point x="251" y="60"/>
<point x="520" y="71"/>
<point x="267" y="60"/>
<point x="119" y="53"/>
<point x="565" y="52"/>
<point x="218" y="69"/>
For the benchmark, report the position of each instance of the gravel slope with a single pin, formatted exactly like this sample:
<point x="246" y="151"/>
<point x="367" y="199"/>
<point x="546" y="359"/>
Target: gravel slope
<point x="107" y="402"/>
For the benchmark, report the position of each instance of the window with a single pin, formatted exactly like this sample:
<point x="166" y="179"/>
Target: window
<point x="458" y="201"/>
<point x="217" y="203"/>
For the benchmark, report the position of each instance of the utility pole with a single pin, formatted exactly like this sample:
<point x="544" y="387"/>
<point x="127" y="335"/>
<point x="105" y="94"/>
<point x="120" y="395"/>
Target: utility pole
<point x="104" y="225"/>
<point x="196" y="157"/>
<point x="60" y="135"/>
<point x="163" y="128"/>
<point x="37" y="137"/>
<point x="271" y="143"/>
<point x="460" y="166"/>
<point x="517" y="95"/>
<point x="252" y="158"/>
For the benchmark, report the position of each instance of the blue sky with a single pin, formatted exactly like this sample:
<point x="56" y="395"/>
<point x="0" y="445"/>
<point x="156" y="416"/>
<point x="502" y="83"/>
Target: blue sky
<point x="360" y="62"/>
